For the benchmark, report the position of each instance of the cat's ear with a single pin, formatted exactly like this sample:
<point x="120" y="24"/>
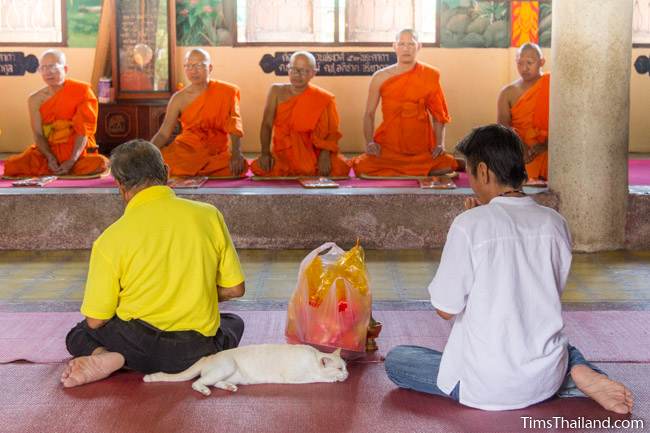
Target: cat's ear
<point x="326" y="360"/>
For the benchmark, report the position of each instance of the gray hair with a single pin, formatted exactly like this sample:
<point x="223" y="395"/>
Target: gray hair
<point x="411" y="32"/>
<point x="60" y="56"/>
<point x="532" y="47"/>
<point x="138" y="163"/>
<point x="307" y="55"/>
<point x="200" y="51"/>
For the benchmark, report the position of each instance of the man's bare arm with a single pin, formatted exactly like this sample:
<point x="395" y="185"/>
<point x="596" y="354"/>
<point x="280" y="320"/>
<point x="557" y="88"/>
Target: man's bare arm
<point x="161" y="138"/>
<point x="266" y="129"/>
<point x="444" y="315"/>
<point x="267" y="120"/>
<point x="503" y="108"/>
<point x="34" y="103"/>
<point x="79" y="145"/>
<point x="440" y="138"/>
<point x="227" y="293"/>
<point x="237" y="160"/>
<point x="371" y="109"/>
<point x="95" y="323"/>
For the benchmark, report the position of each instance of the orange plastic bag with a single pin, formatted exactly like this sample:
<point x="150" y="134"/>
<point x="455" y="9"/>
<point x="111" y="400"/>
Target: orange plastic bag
<point x="331" y="304"/>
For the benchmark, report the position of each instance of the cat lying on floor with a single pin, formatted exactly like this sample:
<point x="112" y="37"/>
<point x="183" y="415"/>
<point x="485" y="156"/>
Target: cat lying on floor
<point x="260" y="363"/>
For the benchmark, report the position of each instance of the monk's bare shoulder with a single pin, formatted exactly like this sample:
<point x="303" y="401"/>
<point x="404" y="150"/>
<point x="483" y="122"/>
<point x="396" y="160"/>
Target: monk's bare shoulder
<point x="182" y="99"/>
<point x="511" y="92"/>
<point x="281" y="92"/>
<point x="37" y="98"/>
<point x="279" y="89"/>
<point x="383" y="74"/>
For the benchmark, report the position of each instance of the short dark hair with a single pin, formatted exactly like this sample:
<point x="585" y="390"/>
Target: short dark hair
<point x="138" y="163"/>
<point x="500" y="148"/>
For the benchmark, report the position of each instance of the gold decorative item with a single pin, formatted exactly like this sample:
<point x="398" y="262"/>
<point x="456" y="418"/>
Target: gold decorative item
<point x="142" y="53"/>
<point x="374" y="328"/>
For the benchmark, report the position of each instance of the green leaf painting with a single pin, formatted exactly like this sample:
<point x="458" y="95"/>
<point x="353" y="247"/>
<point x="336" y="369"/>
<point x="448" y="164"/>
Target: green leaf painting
<point x="83" y="22"/>
<point x="545" y="23"/>
<point x="201" y="23"/>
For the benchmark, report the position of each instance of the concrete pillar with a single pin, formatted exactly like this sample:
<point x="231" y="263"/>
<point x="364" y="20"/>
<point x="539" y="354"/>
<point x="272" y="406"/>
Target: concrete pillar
<point x="589" y="118"/>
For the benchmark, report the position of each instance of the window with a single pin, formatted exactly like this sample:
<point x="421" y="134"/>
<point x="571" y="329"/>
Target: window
<point x="32" y="22"/>
<point x="333" y="21"/>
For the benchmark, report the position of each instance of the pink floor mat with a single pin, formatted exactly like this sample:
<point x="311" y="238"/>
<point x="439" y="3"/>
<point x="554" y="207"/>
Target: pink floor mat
<point x="639" y="174"/>
<point x="246" y="182"/>
<point x="605" y="336"/>
<point x="33" y="401"/>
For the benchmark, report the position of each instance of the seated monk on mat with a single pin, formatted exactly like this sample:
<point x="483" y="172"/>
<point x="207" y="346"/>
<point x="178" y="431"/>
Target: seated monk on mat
<point x="305" y="126"/>
<point x="523" y="105"/>
<point x="411" y="99"/>
<point x="209" y="114"/>
<point x="64" y="119"/>
<point x="156" y="279"/>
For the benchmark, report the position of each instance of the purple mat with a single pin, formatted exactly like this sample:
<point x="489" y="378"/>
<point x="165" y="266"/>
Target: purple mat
<point x="605" y="336"/>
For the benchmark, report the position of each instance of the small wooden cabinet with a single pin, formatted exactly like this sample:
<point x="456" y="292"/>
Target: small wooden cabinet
<point x="123" y="121"/>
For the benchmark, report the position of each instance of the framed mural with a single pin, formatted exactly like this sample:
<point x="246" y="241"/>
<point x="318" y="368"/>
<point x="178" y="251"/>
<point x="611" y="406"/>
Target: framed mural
<point x="641" y="23"/>
<point x="475" y="24"/>
<point x="524" y="22"/>
<point x="83" y="22"/>
<point x="205" y="22"/>
<point x="32" y="22"/>
<point x="545" y="23"/>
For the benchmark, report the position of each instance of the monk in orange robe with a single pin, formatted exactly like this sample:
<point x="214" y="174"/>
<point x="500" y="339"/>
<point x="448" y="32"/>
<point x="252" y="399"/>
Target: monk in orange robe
<point x="208" y="111"/>
<point x="411" y="99"/>
<point x="305" y="126"/>
<point x="63" y="119"/>
<point x="524" y="105"/>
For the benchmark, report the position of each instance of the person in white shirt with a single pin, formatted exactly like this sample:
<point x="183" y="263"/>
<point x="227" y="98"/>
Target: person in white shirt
<point x="502" y="271"/>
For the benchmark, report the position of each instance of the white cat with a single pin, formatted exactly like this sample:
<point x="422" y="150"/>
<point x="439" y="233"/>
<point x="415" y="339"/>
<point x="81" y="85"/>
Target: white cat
<point x="260" y="363"/>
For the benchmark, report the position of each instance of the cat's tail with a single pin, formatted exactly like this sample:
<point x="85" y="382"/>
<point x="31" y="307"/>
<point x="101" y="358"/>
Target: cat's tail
<point x="190" y="373"/>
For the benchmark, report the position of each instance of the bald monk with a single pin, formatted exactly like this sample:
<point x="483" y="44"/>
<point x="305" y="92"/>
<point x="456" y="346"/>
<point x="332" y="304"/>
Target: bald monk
<point x="63" y="118"/>
<point x="304" y="123"/>
<point x="523" y="105"/>
<point x="209" y="114"/>
<point x="410" y="141"/>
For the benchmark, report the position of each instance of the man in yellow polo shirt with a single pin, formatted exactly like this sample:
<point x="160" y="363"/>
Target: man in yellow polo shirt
<point x="155" y="279"/>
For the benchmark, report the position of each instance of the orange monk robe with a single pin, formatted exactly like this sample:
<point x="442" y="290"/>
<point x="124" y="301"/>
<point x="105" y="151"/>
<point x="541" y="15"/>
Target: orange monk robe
<point x="530" y="119"/>
<point x="202" y="148"/>
<point x="69" y="113"/>
<point x="303" y="126"/>
<point x="406" y="135"/>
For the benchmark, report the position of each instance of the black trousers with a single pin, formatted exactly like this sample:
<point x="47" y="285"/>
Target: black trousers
<point x="148" y="349"/>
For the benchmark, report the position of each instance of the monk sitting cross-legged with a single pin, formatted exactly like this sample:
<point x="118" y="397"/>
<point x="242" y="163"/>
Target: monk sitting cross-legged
<point x="63" y="119"/>
<point x="209" y="113"/>
<point x="523" y="105"/>
<point x="411" y="99"/>
<point x="305" y="126"/>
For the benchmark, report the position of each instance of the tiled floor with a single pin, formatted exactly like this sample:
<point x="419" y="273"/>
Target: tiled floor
<point x="615" y="279"/>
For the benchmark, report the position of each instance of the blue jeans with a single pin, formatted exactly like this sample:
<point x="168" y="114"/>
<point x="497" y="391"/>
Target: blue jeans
<point x="416" y="368"/>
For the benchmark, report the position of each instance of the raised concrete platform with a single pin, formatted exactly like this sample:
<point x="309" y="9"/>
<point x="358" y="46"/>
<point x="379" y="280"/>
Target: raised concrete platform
<point x="272" y="218"/>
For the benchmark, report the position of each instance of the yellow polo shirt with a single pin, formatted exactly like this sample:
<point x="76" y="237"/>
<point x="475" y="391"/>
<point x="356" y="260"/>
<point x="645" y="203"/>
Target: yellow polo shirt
<point x="161" y="262"/>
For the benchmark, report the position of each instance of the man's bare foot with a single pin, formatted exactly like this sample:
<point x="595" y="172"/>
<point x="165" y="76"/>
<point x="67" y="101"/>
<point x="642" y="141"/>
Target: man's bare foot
<point x="86" y="369"/>
<point x="609" y="394"/>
